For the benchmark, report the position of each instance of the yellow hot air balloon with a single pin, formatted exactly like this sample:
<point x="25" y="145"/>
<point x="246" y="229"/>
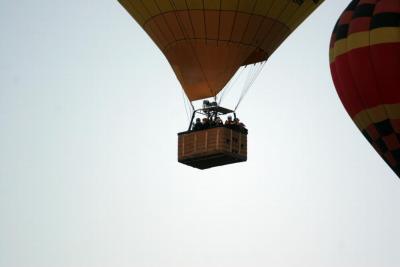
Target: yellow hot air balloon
<point x="207" y="41"/>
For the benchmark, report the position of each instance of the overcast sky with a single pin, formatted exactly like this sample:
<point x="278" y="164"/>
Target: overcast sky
<point x="89" y="111"/>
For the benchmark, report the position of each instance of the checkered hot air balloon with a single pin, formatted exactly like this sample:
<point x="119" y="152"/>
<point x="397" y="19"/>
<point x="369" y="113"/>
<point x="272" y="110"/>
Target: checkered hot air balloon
<point x="365" y="66"/>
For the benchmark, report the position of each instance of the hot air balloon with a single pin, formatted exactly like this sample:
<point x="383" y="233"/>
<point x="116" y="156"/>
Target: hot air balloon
<point x="365" y="66"/>
<point x="206" y="42"/>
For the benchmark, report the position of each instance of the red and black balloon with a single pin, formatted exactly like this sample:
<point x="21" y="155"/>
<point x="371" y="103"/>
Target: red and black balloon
<point x="365" y="66"/>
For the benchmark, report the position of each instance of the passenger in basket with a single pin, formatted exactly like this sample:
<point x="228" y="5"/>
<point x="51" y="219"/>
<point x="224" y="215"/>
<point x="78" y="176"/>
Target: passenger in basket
<point x="198" y="125"/>
<point x="218" y="122"/>
<point x="212" y="122"/>
<point x="239" y="124"/>
<point x="229" y="121"/>
<point x="206" y="123"/>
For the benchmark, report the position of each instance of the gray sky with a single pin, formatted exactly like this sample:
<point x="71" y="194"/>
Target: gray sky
<point x="89" y="111"/>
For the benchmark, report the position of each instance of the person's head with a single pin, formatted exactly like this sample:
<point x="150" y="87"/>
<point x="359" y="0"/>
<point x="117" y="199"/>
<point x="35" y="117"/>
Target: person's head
<point x="229" y="118"/>
<point x="198" y="120"/>
<point x="205" y="119"/>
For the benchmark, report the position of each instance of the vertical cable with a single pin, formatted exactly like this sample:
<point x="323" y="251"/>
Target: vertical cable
<point x="204" y="21"/>
<point x="219" y="21"/>
<point x="185" y="104"/>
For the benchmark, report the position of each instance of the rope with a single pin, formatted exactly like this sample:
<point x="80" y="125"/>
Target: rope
<point x="249" y="82"/>
<point x="230" y="85"/>
<point x="185" y="104"/>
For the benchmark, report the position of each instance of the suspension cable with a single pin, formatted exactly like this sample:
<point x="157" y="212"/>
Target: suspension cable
<point x="263" y="63"/>
<point x="185" y="105"/>
<point x="249" y="82"/>
<point x="231" y="84"/>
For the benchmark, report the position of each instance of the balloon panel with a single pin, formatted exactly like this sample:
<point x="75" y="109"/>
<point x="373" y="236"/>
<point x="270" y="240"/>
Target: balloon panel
<point x="365" y="66"/>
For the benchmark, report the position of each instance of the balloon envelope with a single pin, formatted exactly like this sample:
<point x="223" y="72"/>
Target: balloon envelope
<point x="365" y="66"/>
<point x="207" y="41"/>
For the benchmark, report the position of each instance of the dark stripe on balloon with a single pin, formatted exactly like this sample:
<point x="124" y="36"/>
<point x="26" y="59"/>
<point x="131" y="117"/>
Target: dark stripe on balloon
<point x="360" y="24"/>
<point x="366" y="10"/>
<point x="384" y="127"/>
<point x="385" y="20"/>
<point x="342" y="31"/>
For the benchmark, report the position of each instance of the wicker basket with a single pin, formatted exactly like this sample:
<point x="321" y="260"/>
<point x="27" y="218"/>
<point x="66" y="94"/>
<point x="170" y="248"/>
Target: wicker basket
<point x="212" y="147"/>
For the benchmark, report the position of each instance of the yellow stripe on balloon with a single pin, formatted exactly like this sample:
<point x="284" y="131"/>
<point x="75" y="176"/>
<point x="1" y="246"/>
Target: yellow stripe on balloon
<point x="363" y="39"/>
<point x="376" y="114"/>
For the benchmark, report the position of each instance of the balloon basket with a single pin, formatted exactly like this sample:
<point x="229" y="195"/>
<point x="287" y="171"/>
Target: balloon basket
<point x="212" y="147"/>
